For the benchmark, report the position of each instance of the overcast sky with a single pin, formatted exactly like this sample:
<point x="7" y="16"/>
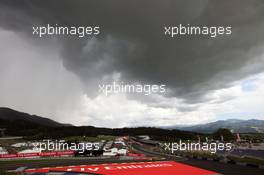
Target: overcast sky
<point x="208" y="78"/>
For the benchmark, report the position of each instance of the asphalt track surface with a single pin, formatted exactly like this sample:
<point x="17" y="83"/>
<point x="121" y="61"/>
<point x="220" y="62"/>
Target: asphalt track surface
<point x="219" y="167"/>
<point x="12" y="165"/>
<point x="222" y="168"/>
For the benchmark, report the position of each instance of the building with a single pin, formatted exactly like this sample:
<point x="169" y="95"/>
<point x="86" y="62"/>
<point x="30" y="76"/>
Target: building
<point x="3" y="151"/>
<point x="115" y="152"/>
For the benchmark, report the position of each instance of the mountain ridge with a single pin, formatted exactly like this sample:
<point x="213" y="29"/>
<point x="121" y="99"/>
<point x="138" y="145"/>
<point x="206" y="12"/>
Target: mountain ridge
<point x="235" y="125"/>
<point x="11" y="115"/>
<point x="33" y="127"/>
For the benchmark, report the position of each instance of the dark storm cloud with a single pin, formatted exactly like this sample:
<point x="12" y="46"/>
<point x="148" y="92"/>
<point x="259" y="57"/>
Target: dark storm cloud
<point x="132" y="40"/>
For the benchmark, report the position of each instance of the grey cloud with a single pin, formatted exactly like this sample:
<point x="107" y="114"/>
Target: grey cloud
<point x="132" y="42"/>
